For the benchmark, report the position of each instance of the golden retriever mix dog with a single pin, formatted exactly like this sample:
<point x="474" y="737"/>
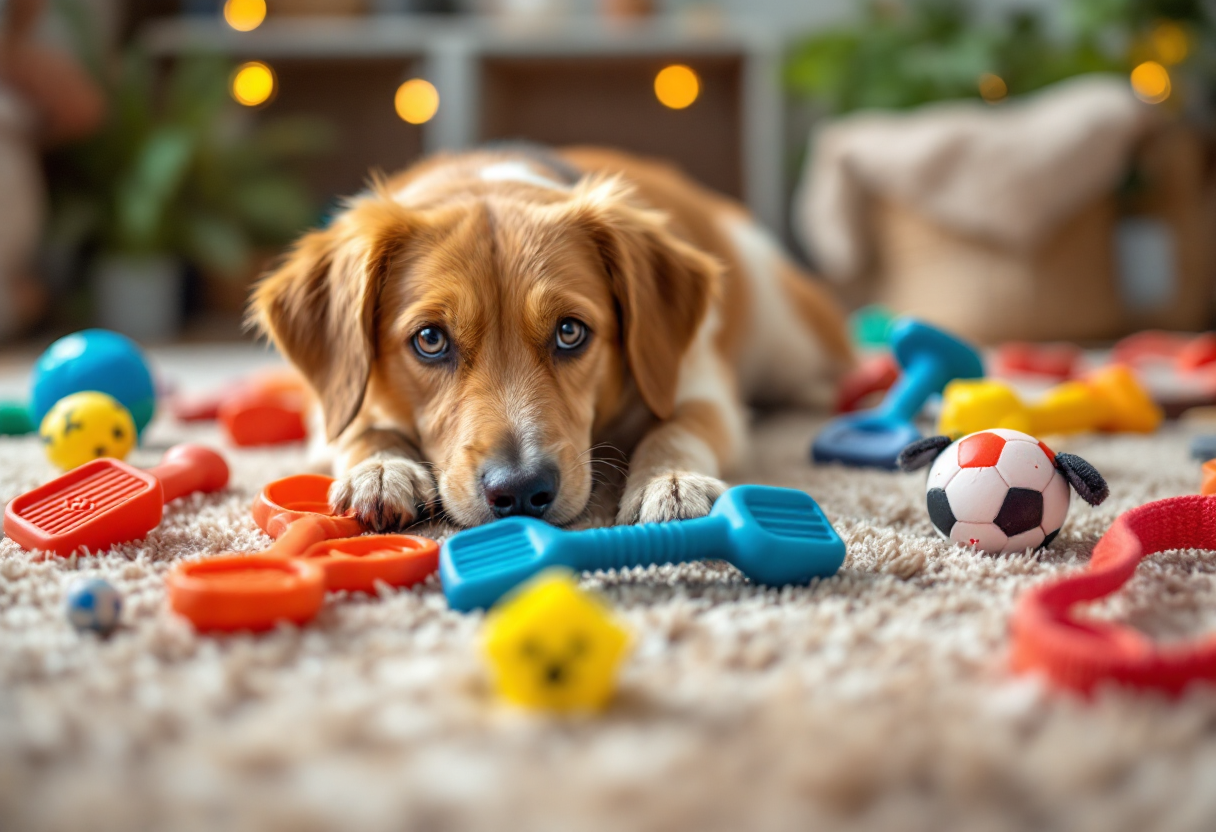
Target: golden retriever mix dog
<point x="476" y="327"/>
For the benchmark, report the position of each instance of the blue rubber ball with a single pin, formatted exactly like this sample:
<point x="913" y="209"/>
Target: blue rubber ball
<point x="94" y="359"/>
<point x="93" y="604"/>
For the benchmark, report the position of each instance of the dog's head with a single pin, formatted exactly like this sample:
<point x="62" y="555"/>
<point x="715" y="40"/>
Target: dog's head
<point x="497" y="329"/>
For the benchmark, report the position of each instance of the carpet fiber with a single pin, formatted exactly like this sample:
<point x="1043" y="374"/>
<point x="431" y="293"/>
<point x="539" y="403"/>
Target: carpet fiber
<point x="878" y="699"/>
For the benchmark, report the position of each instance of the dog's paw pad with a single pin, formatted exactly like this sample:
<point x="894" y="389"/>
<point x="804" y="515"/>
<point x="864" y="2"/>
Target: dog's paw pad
<point x="672" y="496"/>
<point x="386" y="493"/>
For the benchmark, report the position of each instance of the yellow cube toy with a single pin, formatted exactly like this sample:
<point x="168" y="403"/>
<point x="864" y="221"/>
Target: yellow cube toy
<point x="85" y="426"/>
<point x="555" y="647"/>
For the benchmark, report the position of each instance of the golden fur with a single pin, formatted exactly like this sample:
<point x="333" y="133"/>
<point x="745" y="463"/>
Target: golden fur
<point x="495" y="250"/>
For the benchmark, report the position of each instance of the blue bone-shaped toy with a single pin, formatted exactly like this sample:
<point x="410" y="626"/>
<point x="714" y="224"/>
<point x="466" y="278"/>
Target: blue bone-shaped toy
<point x="930" y="359"/>
<point x="774" y="536"/>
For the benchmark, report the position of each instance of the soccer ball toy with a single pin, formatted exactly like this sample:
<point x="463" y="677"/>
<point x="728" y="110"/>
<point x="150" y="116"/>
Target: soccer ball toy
<point x="1000" y="491"/>
<point x="93" y="604"/>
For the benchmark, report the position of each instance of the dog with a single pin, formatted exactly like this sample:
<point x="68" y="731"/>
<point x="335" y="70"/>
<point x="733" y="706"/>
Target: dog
<point x="480" y="326"/>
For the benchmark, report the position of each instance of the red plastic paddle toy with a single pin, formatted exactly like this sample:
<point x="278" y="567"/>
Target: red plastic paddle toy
<point x="107" y="501"/>
<point x="1081" y="653"/>
<point x="314" y="551"/>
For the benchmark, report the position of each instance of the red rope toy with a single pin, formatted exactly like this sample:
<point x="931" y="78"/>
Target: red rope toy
<point x="1079" y="654"/>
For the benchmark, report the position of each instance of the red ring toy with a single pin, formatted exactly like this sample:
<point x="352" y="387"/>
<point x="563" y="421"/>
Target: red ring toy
<point x="1080" y="654"/>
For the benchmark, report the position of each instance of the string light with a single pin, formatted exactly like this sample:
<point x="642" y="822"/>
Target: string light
<point x="1170" y="43"/>
<point x="1151" y="82"/>
<point x="677" y="86"/>
<point x="417" y="101"/>
<point x="245" y="15"/>
<point x="993" y="88"/>
<point x="253" y="84"/>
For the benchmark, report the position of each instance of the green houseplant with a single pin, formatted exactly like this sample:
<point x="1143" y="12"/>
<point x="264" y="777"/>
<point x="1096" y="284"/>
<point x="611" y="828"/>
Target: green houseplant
<point x="904" y="54"/>
<point x="179" y="174"/>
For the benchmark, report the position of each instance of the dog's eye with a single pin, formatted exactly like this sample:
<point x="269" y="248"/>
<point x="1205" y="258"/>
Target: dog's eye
<point x="431" y="342"/>
<point x="571" y="334"/>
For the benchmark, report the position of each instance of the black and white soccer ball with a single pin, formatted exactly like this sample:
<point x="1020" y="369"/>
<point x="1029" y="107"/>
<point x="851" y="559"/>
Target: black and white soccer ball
<point x="1000" y="491"/>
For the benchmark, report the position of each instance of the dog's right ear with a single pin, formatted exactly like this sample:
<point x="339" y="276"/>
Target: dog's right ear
<point x="319" y="305"/>
<point x="922" y="452"/>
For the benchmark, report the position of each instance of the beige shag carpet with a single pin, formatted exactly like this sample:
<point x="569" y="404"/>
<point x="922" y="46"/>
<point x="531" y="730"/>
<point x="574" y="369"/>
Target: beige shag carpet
<point x="878" y="699"/>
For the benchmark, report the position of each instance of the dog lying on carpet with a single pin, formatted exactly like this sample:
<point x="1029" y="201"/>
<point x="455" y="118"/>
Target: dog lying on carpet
<point x="477" y="327"/>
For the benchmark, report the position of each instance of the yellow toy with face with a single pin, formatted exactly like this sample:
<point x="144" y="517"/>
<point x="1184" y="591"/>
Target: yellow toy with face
<point x="555" y="647"/>
<point x="86" y="426"/>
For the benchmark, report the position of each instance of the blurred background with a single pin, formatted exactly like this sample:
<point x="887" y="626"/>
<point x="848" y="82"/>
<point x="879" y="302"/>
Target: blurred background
<point x="1013" y="170"/>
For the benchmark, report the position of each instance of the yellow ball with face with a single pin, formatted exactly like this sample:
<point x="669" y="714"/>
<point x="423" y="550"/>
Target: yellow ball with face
<point x="85" y="426"/>
<point x="555" y="647"/>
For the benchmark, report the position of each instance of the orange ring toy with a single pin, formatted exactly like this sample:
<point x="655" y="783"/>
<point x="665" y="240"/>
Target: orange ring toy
<point x="356" y="563"/>
<point x="314" y="551"/>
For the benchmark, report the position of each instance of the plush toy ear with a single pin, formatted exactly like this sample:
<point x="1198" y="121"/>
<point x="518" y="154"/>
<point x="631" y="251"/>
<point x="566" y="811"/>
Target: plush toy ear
<point x="922" y="452"/>
<point x="1083" y="477"/>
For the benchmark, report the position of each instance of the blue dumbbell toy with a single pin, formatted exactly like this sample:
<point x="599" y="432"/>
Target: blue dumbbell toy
<point x="873" y="438"/>
<point x="94" y="359"/>
<point x="774" y="536"/>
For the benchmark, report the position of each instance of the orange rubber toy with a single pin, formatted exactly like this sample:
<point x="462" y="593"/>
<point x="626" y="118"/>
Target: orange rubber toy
<point x="107" y="501"/>
<point x="314" y="551"/>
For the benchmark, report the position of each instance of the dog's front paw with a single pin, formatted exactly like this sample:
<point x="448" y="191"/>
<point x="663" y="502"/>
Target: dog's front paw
<point x="676" y="495"/>
<point x="387" y="493"/>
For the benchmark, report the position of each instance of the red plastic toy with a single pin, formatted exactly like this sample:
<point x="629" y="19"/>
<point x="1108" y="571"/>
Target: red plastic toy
<point x="314" y="551"/>
<point x="874" y="375"/>
<point x="1081" y="653"/>
<point x="1057" y="361"/>
<point x="265" y="410"/>
<point x="107" y="501"/>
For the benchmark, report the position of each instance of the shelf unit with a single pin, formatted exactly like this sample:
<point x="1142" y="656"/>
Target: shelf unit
<point x="497" y="77"/>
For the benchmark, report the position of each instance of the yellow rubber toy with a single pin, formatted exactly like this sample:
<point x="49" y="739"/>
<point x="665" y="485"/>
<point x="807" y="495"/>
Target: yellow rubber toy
<point x="1110" y="400"/>
<point x="85" y="426"/>
<point x="555" y="647"/>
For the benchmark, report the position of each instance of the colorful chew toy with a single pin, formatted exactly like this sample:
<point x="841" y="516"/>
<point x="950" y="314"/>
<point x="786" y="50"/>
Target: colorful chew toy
<point x="265" y="415"/>
<point x="1058" y="361"/>
<point x="774" y="536"/>
<point x="106" y="501"/>
<point x="93" y="604"/>
<point x="266" y="409"/>
<point x="874" y="375"/>
<point x="1207" y="486"/>
<point x="86" y="426"/>
<point x="15" y="419"/>
<point x="553" y="646"/>
<point x="94" y="359"/>
<point x="873" y="438"/>
<point x="1000" y="491"/>
<point x="314" y="551"/>
<point x="1081" y="653"/>
<point x="1109" y="400"/>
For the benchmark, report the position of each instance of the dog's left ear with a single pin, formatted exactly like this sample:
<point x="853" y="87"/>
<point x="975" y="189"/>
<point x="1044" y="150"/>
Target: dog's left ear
<point x="921" y="452"/>
<point x="663" y="285"/>
<point x="1083" y="477"/>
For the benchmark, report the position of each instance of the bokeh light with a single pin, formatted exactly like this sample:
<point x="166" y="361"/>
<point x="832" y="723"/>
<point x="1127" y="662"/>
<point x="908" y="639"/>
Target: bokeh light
<point x="253" y="84"/>
<point x="993" y="88"/>
<point x="677" y="86"/>
<point x="245" y="15"/>
<point x="417" y="101"/>
<point x="1151" y="82"/>
<point x="1170" y="43"/>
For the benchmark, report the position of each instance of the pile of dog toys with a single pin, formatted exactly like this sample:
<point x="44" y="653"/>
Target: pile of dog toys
<point x="992" y="485"/>
<point x="92" y="394"/>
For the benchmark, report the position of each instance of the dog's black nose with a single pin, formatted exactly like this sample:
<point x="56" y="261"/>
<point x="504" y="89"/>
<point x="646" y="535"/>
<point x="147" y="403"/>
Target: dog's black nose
<point x="511" y="490"/>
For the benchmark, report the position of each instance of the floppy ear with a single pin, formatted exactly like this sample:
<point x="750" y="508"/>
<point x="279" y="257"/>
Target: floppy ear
<point x="319" y="305"/>
<point x="662" y="284"/>
<point x="922" y="452"/>
<point x="1083" y="477"/>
